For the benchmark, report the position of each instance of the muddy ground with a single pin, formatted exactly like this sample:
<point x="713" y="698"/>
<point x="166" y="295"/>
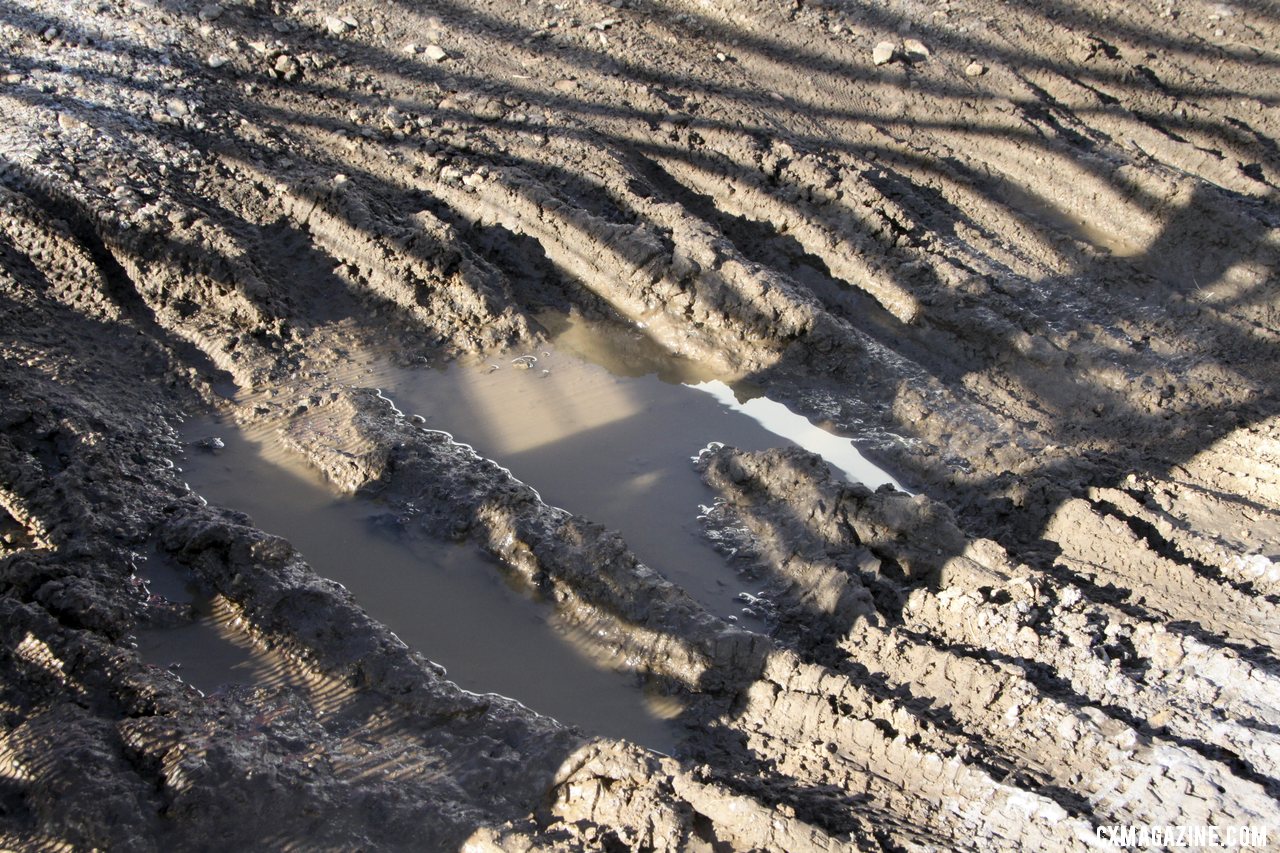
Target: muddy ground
<point x="1029" y="261"/>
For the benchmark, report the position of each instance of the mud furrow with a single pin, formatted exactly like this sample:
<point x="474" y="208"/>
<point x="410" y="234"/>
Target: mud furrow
<point x="671" y="636"/>
<point x="1182" y="544"/>
<point x="975" y="693"/>
<point x="1168" y="679"/>
<point x="1024" y="253"/>
<point x="1153" y="580"/>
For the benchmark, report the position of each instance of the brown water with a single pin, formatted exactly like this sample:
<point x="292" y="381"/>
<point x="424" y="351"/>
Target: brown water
<point x="605" y="424"/>
<point x="447" y="601"/>
<point x="209" y="651"/>
<point x="602" y="423"/>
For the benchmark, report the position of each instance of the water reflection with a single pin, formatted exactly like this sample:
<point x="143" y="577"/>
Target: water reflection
<point x="449" y="602"/>
<point x="604" y="423"/>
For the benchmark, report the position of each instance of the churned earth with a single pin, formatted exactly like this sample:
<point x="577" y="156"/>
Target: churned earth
<point x="375" y="374"/>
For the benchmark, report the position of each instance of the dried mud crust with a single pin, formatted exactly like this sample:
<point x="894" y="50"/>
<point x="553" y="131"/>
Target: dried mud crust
<point x="1031" y="260"/>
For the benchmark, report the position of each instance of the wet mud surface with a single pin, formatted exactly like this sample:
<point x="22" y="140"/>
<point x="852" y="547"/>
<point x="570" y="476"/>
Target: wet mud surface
<point x="604" y="424"/>
<point x="191" y="634"/>
<point x="1022" y="257"/>
<point x="491" y="636"/>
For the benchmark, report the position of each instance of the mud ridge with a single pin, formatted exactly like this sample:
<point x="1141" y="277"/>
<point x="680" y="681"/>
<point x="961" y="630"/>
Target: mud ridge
<point x="1026" y="259"/>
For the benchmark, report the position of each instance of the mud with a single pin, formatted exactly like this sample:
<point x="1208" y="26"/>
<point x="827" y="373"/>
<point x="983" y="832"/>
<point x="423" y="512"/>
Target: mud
<point x="192" y="635"/>
<point x="606" y="424"/>
<point x="1030" y="268"/>
<point x="491" y="636"/>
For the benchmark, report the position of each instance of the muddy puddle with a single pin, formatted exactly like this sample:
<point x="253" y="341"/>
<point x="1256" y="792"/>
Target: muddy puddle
<point x="202" y="646"/>
<point x="447" y="601"/>
<point x="602" y="422"/>
<point x="605" y="424"/>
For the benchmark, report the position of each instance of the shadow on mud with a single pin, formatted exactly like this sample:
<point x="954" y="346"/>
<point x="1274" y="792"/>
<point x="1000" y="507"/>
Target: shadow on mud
<point x="1119" y="430"/>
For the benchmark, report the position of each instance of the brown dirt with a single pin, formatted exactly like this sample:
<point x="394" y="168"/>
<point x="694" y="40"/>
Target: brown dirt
<point x="1034" y="271"/>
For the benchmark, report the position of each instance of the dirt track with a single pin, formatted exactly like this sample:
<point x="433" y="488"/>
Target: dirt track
<point x="1032" y="267"/>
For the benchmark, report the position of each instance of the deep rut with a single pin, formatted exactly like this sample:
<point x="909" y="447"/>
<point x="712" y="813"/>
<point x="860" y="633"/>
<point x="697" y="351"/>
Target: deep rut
<point x="1030" y="262"/>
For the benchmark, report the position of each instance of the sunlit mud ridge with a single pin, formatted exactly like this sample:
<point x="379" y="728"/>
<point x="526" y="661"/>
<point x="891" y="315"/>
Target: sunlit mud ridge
<point x="1024" y="254"/>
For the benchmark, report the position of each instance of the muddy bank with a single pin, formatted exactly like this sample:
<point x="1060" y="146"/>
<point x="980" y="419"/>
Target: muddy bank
<point x="1026" y="258"/>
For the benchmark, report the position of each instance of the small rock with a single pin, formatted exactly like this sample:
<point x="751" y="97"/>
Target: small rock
<point x="217" y="60"/>
<point x="287" y="67"/>
<point x="975" y="69"/>
<point x="211" y="12"/>
<point x="337" y="26"/>
<point x="884" y="53"/>
<point x="435" y="53"/>
<point x="211" y="444"/>
<point x="488" y="110"/>
<point x="915" y="50"/>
